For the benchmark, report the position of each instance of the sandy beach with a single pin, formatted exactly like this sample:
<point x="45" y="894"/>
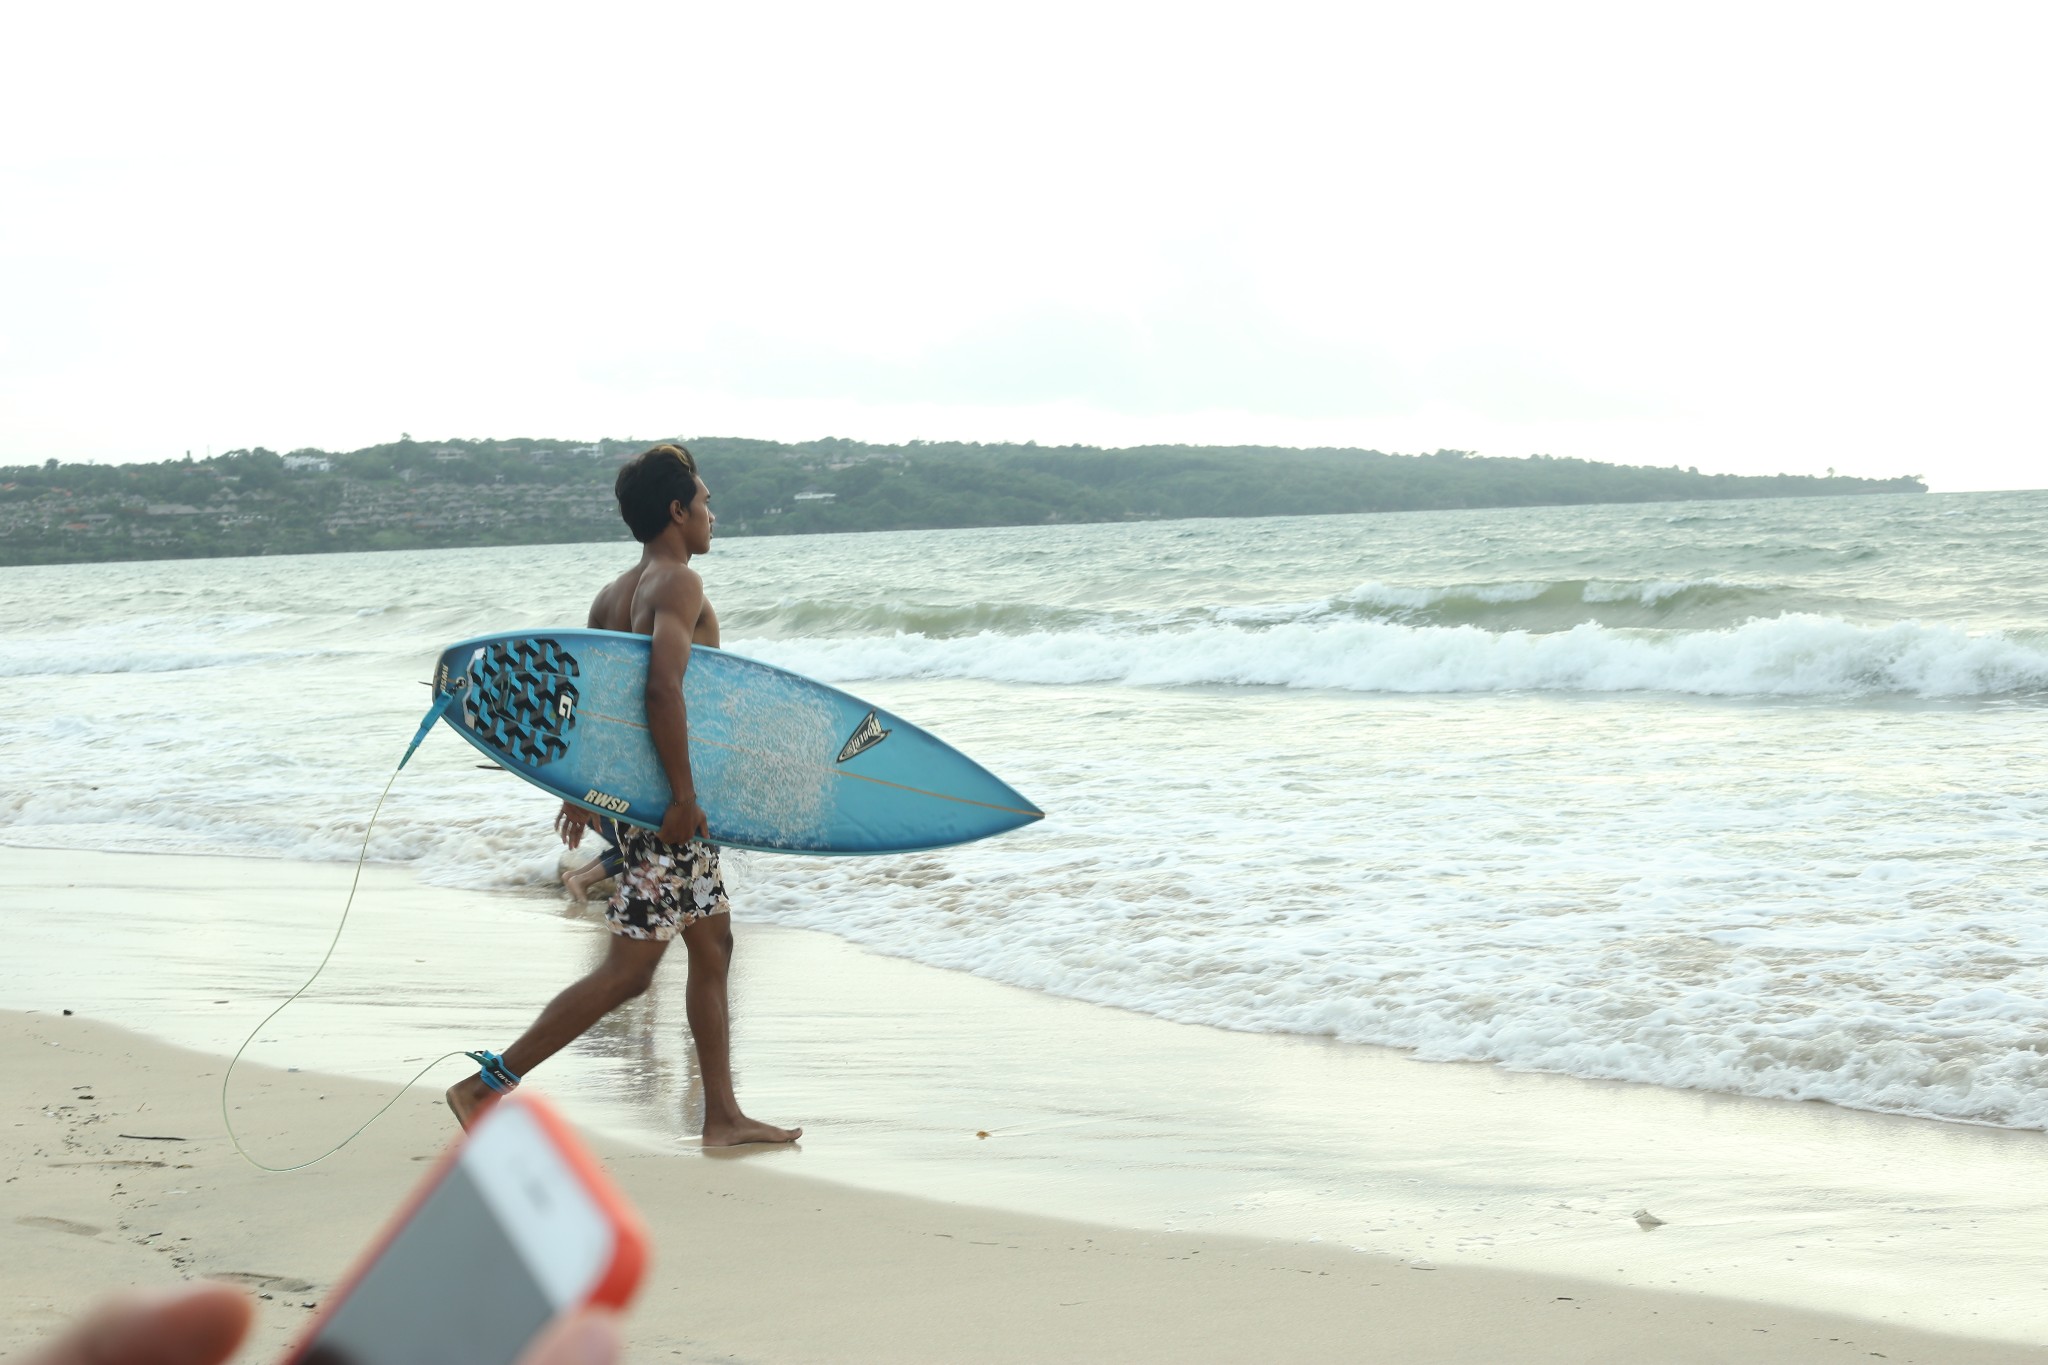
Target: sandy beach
<point x="1146" y="1191"/>
<point x="117" y="1175"/>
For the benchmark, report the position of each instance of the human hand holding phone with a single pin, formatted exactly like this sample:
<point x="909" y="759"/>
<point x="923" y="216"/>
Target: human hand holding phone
<point x="203" y="1324"/>
<point x="514" y="1251"/>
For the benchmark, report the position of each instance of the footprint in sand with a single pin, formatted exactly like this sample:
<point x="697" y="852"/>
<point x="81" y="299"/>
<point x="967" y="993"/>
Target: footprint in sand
<point x="59" y="1225"/>
<point x="256" y="1279"/>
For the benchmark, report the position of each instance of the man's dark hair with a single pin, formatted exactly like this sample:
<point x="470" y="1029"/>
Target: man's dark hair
<point x="649" y="483"/>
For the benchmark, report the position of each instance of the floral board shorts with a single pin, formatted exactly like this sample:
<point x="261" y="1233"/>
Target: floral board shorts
<point x="664" y="886"/>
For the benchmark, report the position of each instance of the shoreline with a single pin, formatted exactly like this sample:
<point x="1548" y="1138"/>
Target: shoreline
<point x="1094" y="1115"/>
<point x="873" y="1276"/>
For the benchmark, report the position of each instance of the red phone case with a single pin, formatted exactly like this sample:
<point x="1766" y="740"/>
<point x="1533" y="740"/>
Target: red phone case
<point x="614" y="1288"/>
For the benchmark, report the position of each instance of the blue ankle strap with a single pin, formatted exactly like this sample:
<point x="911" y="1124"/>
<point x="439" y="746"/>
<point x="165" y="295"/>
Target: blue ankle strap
<point x="494" y="1073"/>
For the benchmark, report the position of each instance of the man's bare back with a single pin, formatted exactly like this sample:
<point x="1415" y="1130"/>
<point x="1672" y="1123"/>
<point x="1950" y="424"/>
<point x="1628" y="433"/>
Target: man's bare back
<point x="623" y="605"/>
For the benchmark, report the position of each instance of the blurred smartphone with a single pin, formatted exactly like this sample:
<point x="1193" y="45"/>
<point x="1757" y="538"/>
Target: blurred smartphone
<point x="516" y="1224"/>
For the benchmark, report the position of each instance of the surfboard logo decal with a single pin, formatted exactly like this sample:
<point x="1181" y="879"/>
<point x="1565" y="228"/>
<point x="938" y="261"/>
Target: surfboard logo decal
<point x="865" y="736"/>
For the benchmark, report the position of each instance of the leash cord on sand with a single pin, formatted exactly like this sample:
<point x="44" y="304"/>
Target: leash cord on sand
<point x="434" y="714"/>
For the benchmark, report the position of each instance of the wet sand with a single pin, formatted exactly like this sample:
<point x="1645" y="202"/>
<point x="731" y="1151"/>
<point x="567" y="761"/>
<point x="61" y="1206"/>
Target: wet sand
<point x="1163" y="1135"/>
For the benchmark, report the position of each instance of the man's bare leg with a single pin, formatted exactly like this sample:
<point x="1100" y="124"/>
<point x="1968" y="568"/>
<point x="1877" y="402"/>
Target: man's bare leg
<point x="709" y="943"/>
<point x="627" y="970"/>
<point x="579" y="880"/>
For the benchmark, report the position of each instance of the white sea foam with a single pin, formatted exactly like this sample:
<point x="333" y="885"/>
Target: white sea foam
<point x="144" y="645"/>
<point x="1640" y="936"/>
<point x="30" y="663"/>
<point x="1787" y="656"/>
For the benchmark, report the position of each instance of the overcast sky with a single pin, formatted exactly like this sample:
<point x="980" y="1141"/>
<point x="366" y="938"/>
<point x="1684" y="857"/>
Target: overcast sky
<point x="1749" y="238"/>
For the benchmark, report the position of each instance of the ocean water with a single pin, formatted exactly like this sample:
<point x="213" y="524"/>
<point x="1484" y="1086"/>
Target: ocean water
<point x="1742" y="797"/>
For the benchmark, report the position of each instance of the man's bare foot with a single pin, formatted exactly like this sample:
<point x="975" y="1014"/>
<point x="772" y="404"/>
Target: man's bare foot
<point x="742" y="1130"/>
<point x="578" y="884"/>
<point x="467" y="1100"/>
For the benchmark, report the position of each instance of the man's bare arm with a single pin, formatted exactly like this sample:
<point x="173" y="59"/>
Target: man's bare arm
<point x="678" y="602"/>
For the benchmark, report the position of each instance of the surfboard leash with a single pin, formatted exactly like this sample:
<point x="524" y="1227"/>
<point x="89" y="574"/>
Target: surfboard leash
<point x="434" y="713"/>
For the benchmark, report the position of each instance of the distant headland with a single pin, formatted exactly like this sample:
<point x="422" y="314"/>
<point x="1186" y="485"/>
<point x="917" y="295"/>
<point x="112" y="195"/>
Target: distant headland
<point x="409" y="494"/>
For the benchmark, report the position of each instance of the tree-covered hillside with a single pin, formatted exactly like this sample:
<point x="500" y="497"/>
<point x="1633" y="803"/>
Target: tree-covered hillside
<point x="424" y="494"/>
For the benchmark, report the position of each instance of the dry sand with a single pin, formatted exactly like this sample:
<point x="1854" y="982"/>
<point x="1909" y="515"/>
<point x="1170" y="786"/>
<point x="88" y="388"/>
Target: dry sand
<point x="116" y="1173"/>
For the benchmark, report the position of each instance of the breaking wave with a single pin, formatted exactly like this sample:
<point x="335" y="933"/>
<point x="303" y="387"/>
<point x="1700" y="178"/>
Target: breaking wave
<point x="1562" y="604"/>
<point x="1784" y="656"/>
<point x="1535" y="605"/>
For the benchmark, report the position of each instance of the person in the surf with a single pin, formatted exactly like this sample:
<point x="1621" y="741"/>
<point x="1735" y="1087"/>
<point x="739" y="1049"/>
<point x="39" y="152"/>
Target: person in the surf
<point x="669" y="886"/>
<point x="580" y="880"/>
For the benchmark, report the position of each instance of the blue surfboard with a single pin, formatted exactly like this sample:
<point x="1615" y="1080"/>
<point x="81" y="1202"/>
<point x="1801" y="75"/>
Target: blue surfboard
<point x="781" y="763"/>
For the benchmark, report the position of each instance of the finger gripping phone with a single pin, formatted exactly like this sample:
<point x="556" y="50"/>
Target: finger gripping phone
<point x="516" y="1224"/>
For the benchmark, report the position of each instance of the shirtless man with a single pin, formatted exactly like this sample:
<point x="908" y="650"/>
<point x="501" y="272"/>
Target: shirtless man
<point x="670" y="887"/>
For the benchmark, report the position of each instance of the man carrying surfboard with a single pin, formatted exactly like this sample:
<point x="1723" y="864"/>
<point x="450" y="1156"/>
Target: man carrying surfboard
<point x="670" y="887"/>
